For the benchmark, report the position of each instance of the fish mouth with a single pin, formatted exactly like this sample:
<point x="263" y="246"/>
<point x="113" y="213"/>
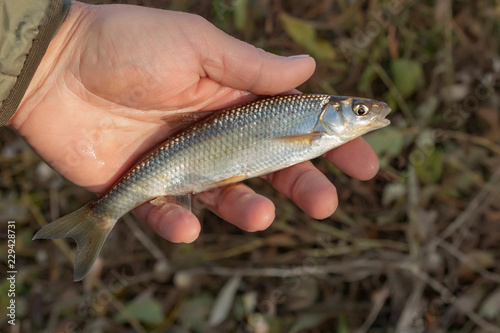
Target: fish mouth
<point x="381" y="121"/>
<point x="385" y="110"/>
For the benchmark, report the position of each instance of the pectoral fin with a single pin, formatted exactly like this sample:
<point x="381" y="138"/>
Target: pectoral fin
<point x="306" y="138"/>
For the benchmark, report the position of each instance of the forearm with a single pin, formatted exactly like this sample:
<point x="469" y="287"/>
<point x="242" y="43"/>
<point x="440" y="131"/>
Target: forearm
<point x="30" y="27"/>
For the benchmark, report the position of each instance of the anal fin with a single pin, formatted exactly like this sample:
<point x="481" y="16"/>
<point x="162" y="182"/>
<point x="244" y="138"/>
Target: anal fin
<point x="181" y="200"/>
<point x="230" y="180"/>
<point x="184" y="201"/>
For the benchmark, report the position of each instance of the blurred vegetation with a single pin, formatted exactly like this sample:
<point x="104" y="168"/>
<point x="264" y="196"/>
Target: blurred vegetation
<point x="417" y="249"/>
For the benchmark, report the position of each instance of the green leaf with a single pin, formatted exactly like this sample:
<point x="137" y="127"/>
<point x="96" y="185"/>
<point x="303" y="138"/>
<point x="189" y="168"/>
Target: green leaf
<point x="408" y="76"/>
<point x="304" y="296"/>
<point x="301" y="31"/>
<point x="393" y="192"/>
<point x="240" y="14"/>
<point x="194" y="311"/>
<point x="387" y="143"/>
<point x="304" y="34"/>
<point x="366" y="79"/>
<point x="249" y="301"/>
<point x="147" y="311"/>
<point x="321" y="49"/>
<point x="426" y="159"/>
<point x="307" y="321"/>
<point x="427" y="109"/>
<point x="430" y="170"/>
<point x="490" y="308"/>
<point x="342" y="325"/>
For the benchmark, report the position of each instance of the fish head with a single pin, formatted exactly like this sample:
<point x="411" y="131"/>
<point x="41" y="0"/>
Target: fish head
<point x="350" y="117"/>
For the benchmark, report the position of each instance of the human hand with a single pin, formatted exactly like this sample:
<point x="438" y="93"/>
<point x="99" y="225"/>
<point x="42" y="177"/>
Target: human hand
<point x="113" y="84"/>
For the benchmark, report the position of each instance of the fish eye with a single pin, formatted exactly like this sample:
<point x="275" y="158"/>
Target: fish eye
<point x="361" y="110"/>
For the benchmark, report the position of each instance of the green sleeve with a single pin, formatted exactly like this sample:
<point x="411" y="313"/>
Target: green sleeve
<point x="25" y="33"/>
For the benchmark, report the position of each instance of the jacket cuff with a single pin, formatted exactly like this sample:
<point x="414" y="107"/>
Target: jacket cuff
<point x="25" y="48"/>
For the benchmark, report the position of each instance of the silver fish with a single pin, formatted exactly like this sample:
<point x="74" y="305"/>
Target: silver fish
<point x="231" y="145"/>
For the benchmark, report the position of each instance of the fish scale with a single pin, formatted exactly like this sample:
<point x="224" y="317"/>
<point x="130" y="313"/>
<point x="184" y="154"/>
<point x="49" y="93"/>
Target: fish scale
<point x="233" y="144"/>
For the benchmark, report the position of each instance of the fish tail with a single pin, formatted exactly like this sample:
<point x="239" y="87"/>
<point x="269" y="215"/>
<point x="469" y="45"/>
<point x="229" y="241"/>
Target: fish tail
<point x="87" y="228"/>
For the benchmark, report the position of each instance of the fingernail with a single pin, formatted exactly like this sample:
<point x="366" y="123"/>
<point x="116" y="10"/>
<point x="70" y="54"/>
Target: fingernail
<point x="300" y="56"/>
<point x="174" y="211"/>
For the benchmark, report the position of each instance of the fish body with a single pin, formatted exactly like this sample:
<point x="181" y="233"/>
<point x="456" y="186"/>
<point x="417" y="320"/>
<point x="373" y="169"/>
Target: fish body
<point x="231" y="145"/>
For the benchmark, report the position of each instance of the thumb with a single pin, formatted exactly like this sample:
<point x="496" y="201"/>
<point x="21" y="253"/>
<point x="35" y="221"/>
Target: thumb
<point x="238" y="65"/>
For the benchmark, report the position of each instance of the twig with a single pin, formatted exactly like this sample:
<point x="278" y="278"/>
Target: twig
<point x="475" y="206"/>
<point x="235" y="251"/>
<point x="415" y="269"/>
<point x="121" y="308"/>
<point x="70" y="256"/>
<point x="394" y="91"/>
<point x="411" y="208"/>
<point x="478" y="320"/>
<point x="477" y="140"/>
<point x="359" y="245"/>
<point x="61" y="244"/>
<point x="341" y="268"/>
<point x="463" y="258"/>
<point x="145" y="240"/>
<point x="378" y="299"/>
<point x="407" y="319"/>
<point x="446" y="295"/>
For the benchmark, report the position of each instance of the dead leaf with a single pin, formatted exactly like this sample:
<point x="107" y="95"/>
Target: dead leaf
<point x="475" y="258"/>
<point x="491" y="117"/>
<point x="224" y="301"/>
<point x="490" y="308"/>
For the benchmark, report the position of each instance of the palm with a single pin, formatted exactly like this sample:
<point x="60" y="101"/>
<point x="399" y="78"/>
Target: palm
<point x="111" y="92"/>
<point x="119" y="100"/>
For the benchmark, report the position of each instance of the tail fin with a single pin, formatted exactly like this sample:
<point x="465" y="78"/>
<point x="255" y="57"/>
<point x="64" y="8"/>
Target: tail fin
<point x="87" y="229"/>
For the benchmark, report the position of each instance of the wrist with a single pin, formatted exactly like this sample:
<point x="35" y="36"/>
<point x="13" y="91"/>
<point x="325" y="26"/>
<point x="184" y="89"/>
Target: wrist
<point x="50" y="64"/>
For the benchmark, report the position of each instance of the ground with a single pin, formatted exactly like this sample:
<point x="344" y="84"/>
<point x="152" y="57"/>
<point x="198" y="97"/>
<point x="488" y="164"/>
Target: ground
<point x="417" y="249"/>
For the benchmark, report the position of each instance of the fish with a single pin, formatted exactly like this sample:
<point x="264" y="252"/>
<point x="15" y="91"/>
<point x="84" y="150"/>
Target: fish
<point x="231" y="145"/>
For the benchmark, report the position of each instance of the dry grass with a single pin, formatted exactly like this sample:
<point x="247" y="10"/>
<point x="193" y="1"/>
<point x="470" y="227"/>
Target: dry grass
<point x="414" y="250"/>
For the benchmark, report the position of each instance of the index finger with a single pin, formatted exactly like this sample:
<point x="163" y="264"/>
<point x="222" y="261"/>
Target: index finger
<point x="355" y="158"/>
